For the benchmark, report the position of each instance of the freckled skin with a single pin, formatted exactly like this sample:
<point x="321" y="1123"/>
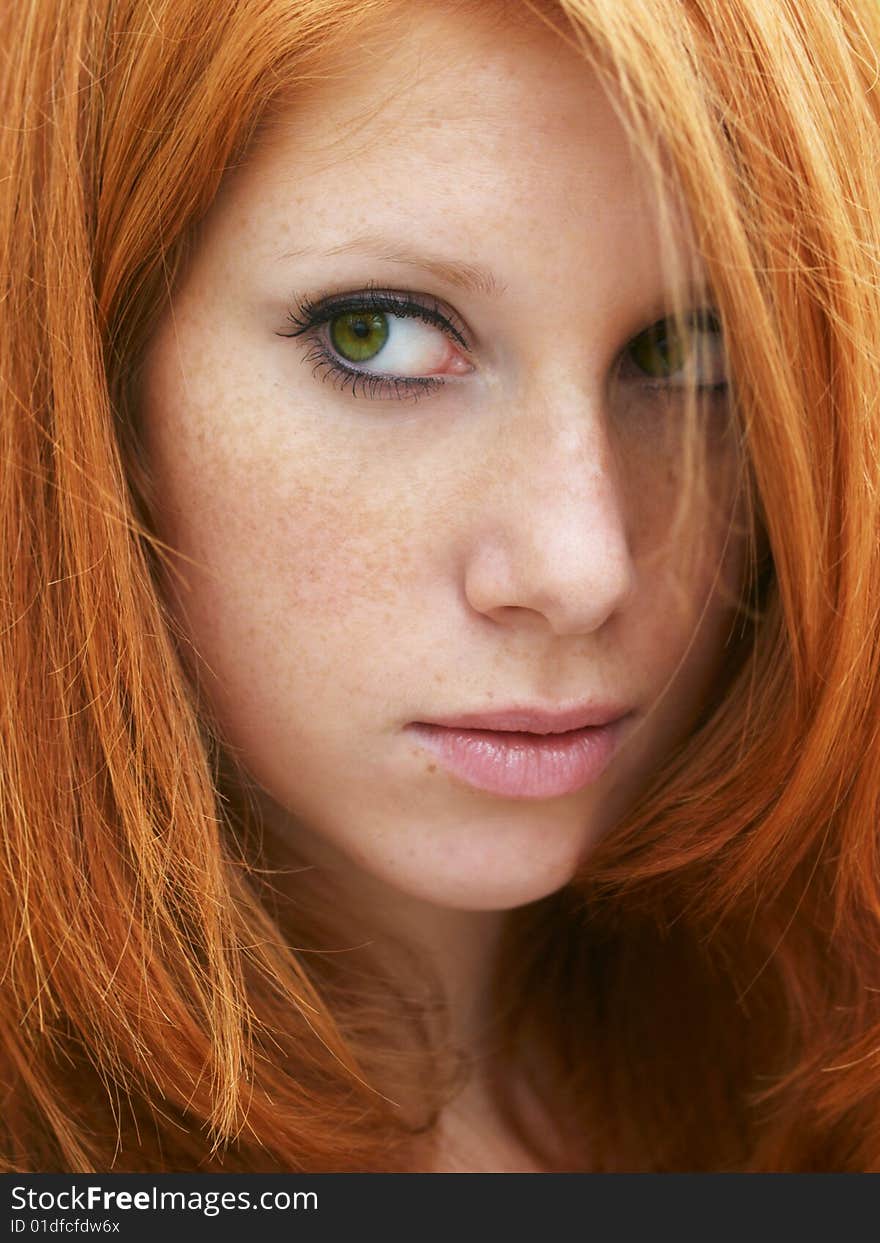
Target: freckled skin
<point x="366" y="563"/>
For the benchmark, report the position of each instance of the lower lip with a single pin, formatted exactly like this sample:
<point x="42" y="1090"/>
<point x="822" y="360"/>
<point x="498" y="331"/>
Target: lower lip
<point x="520" y="765"/>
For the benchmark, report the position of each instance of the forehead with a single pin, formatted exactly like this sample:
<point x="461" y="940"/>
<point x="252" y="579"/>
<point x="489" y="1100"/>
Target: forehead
<point x="465" y="139"/>
<point x="451" y="95"/>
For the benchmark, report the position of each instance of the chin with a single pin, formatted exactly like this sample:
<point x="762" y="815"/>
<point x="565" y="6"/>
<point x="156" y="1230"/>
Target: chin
<point x="497" y="891"/>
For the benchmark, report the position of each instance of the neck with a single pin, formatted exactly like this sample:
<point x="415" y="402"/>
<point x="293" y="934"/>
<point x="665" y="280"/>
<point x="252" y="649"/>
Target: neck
<point x="458" y="946"/>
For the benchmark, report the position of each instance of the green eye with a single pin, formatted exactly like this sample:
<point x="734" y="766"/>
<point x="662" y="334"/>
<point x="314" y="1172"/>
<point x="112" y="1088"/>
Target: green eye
<point x="359" y="335"/>
<point x="658" y="351"/>
<point x="663" y="353"/>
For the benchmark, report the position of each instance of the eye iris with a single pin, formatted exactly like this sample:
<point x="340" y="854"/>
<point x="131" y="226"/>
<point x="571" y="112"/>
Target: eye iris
<point x="359" y="335"/>
<point x="658" y="353"/>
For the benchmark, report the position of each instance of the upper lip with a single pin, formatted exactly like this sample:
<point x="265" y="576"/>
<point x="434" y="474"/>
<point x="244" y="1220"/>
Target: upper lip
<point x="521" y="717"/>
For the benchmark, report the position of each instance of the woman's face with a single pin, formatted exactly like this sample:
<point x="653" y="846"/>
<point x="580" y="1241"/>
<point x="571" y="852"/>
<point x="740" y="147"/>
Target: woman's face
<point x="486" y="528"/>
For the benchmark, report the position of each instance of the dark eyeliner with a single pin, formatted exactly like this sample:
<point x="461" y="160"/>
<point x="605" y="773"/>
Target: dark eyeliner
<point x="704" y="319"/>
<point x="310" y="314"/>
<point x="310" y="311"/>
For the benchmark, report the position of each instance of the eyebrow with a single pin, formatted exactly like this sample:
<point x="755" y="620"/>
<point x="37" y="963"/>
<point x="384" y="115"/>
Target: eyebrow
<point x="472" y="277"/>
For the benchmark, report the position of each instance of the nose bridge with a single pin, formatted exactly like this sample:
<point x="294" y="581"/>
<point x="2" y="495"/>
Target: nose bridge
<point x="557" y="534"/>
<point x="566" y="448"/>
<point x="565" y="467"/>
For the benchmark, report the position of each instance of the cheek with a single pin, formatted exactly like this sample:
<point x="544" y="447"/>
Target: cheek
<point x="690" y="584"/>
<point x="291" y="609"/>
<point x="269" y="510"/>
<point x="279" y="553"/>
<point x="299" y="577"/>
<point x="652" y="460"/>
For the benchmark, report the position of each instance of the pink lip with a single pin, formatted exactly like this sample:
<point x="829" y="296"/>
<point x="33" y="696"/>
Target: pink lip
<point x="536" y="720"/>
<point x="523" y="765"/>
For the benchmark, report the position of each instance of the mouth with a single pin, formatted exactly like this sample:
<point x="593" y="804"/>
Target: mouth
<point x="535" y="719"/>
<point x="523" y="764"/>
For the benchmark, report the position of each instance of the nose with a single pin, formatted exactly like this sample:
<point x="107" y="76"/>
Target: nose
<point x="550" y="546"/>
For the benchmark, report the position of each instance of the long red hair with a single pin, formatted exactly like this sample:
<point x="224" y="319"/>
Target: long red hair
<point x="708" y="988"/>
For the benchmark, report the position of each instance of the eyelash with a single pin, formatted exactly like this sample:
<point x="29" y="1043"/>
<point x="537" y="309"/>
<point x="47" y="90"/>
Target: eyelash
<point x="311" y="314"/>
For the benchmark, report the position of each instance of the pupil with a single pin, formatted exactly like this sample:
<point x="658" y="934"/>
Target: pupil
<point x="660" y="342"/>
<point x="359" y="336"/>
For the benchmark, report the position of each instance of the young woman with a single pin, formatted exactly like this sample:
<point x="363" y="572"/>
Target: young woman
<point x="441" y="529"/>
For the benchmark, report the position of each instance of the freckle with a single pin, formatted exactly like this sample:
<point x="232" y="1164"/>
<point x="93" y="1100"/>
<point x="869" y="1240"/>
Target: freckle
<point x="432" y="768"/>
